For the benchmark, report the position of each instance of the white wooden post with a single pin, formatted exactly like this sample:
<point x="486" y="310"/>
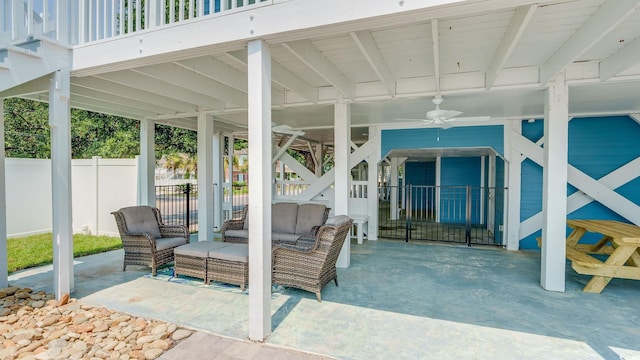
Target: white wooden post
<point x="514" y="180"/>
<point x="60" y="124"/>
<point x="93" y="226"/>
<point x="342" y="150"/>
<point x="205" y="177"/>
<point x="147" y="164"/>
<point x="218" y="178"/>
<point x="372" y="185"/>
<point x="3" y="206"/>
<point x="491" y="184"/>
<point x="260" y="173"/>
<point x="438" y="184"/>
<point x="394" y="187"/>
<point x="554" y="184"/>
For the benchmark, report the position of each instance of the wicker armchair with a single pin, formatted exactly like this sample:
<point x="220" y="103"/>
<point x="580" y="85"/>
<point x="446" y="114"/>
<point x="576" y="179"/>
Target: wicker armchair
<point x="312" y="266"/>
<point x="146" y="240"/>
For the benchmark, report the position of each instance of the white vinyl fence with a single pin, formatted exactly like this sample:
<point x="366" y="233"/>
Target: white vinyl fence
<point x="99" y="186"/>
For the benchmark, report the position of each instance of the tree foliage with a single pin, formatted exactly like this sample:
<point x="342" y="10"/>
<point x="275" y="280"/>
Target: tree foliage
<point x="27" y="134"/>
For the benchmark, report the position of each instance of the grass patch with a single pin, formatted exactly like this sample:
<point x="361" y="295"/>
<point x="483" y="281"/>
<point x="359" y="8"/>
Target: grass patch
<point x="36" y="250"/>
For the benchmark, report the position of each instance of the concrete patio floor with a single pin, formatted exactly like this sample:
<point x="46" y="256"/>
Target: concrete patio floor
<point x="397" y="301"/>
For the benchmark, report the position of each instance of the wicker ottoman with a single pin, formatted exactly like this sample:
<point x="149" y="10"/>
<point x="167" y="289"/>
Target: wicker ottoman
<point x="229" y="264"/>
<point x="191" y="259"/>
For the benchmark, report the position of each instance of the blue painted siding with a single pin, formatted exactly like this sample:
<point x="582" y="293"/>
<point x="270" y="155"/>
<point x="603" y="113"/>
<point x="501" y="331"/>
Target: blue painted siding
<point x="458" y="137"/>
<point x="597" y="146"/>
<point x="422" y="175"/>
<point x="455" y="174"/>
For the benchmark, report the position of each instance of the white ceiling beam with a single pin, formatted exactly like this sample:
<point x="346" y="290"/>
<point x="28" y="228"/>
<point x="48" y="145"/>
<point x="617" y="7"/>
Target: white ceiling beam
<point x="218" y="71"/>
<point x="367" y="45"/>
<point x="435" y="35"/>
<point x="133" y="93"/>
<point x="285" y="78"/>
<point x="32" y="87"/>
<point x="190" y="80"/>
<point x="281" y="76"/>
<point x="306" y="52"/>
<point x="599" y="24"/>
<point x="514" y="32"/>
<point x="147" y="83"/>
<point x="119" y="100"/>
<point x="90" y="103"/>
<point x="621" y="60"/>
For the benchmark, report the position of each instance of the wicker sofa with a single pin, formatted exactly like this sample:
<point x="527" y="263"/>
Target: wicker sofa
<point x="311" y="265"/>
<point x="289" y="221"/>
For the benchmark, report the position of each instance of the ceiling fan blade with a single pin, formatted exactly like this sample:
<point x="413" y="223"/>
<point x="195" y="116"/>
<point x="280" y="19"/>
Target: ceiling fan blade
<point x="473" y="118"/>
<point x="448" y="114"/>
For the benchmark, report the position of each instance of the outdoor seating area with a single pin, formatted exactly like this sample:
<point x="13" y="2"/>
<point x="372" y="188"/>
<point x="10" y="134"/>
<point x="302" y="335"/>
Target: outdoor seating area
<point x="213" y="260"/>
<point x="620" y="245"/>
<point x="146" y="239"/>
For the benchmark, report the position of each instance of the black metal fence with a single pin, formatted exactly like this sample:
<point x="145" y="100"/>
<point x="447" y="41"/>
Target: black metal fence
<point x="178" y="204"/>
<point x="460" y="214"/>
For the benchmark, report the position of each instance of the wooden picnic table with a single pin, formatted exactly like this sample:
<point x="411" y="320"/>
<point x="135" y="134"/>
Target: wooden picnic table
<point x="620" y="244"/>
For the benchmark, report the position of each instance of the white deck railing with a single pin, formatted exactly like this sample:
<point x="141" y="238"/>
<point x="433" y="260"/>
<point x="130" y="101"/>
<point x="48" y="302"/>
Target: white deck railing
<point x="84" y="21"/>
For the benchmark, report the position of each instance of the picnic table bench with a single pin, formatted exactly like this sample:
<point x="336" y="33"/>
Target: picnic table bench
<point x="620" y="244"/>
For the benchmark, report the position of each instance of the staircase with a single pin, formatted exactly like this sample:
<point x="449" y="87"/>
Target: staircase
<point x="30" y="59"/>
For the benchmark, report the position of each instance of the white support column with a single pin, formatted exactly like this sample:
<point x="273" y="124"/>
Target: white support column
<point x="320" y="158"/>
<point x="514" y="181"/>
<point x="205" y="177"/>
<point x="438" y="184"/>
<point x="372" y="197"/>
<point x="483" y="185"/>
<point x="394" y="187"/>
<point x="218" y="177"/>
<point x="60" y="124"/>
<point x="491" y="184"/>
<point x="342" y="150"/>
<point x="260" y="175"/>
<point x="3" y="206"/>
<point x="554" y="184"/>
<point x="95" y="216"/>
<point x="147" y="164"/>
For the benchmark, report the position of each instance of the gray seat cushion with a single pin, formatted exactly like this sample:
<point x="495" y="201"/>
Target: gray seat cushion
<point x="232" y="252"/>
<point x="284" y="237"/>
<point x="309" y="215"/>
<point x="244" y="234"/>
<point x="169" y="242"/>
<point x="284" y="217"/>
<point x="141" y="219"/>
<point x="199" y="248"/>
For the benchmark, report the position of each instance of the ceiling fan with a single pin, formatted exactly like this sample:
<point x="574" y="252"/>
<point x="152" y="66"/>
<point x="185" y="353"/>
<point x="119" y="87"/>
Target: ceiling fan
<point x="441" y="117"/>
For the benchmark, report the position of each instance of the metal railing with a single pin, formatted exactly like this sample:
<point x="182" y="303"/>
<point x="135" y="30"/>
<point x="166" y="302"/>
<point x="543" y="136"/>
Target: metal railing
<point x="178" y="205"/>
<point x="462" y="214"/>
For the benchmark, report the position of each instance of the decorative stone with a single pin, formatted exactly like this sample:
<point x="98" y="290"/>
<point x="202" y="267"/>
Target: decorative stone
<point x="33" y="326"/>
<point x="152" y="353"/>
<point x="180" y="334"/>
<point x="64" y="299"/>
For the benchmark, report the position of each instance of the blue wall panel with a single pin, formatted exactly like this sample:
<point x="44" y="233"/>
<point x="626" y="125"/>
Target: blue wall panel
<point x="457" y="137"/>
<point x="597" y="146"/>
<point x="423" y="176"/>
<point x="456" y="173"/>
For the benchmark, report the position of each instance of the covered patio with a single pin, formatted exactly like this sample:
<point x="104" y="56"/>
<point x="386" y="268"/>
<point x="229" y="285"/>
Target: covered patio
<point x="397" y="300"/>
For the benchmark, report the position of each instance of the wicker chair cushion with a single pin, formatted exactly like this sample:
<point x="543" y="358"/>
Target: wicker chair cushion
<point x="309" y="215"/>
<point x="141" y="219"/>
<point x="232" y="252"/>
<point x="199" y="248"/>
<point x="284" y="237"/>
<point x="169" y="242"/>
<point x="338" y="220"/>
<point x="237" y="233"/>
<point x="284" y="217"/>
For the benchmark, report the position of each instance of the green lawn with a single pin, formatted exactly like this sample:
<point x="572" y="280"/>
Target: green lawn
<point x="36" y="250"/>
